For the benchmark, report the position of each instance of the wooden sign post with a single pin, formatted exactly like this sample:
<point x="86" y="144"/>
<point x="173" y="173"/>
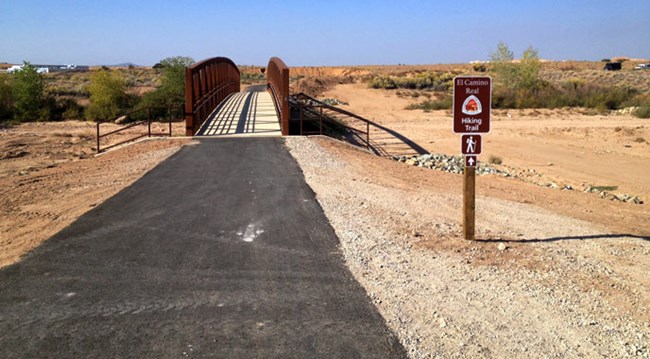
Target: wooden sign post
<point x="469" y="202"/>
<point x="472" y="109"/>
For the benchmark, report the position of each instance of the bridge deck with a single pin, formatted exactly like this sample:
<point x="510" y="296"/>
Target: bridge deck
<point x="247" y="113"/>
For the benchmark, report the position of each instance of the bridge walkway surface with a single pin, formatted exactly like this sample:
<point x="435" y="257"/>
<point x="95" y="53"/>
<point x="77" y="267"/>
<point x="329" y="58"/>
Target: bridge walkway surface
<point x="210" y="254"/>
<point x="247" y="113"/>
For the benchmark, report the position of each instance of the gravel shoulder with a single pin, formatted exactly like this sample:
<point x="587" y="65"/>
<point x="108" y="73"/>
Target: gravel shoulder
<point x="555" y="274"/>
<point x="571" y="282"/>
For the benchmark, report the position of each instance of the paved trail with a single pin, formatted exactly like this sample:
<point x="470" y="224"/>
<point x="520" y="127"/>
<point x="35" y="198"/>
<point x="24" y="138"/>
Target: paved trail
<point x="221" y="251"/>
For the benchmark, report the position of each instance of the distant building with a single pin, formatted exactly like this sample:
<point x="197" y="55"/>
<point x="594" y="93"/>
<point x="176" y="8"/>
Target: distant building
<point x="44" y="69"/>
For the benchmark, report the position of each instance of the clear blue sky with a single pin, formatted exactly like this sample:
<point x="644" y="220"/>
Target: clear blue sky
<point x="306" y="33"/>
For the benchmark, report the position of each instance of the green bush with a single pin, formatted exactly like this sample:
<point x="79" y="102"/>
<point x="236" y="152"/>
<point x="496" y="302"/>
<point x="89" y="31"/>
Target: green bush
<point x="516" y="76"/>
<point x="28" y="94"/>
<point x="107" y="95"/>
<point x="172" y="82"/>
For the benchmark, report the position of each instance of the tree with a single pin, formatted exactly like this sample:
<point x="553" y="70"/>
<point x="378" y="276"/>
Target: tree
<point x="107" y="95"/>
<point x="515" y="76"/>
<point x="529" y="68"/>
<point x="172" y="83"/>
<point x="503" y="66"/>
<point x="27" y="93"/>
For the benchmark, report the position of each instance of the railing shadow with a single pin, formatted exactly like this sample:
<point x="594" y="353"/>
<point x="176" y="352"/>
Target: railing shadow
<point x="383" y="148"/>
<point x="567" y="238"/>
<point x="379" y="139"/>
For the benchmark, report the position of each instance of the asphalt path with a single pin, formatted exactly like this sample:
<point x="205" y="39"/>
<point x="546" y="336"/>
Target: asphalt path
<point x="221" y="251"/>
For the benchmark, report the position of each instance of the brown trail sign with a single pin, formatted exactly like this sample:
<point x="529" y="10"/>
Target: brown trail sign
<point x="472" y="104"/>
<point x="472" y="108"/>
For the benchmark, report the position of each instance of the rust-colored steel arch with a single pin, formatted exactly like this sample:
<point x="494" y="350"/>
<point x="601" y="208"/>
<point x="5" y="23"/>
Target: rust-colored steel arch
<point x="278" y="79"/>
<point x="207" y="83"/>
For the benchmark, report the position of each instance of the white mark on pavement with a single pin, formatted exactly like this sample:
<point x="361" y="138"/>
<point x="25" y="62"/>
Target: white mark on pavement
<point x="252" y="231"/>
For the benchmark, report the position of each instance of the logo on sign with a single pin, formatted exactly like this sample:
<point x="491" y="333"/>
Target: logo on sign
<point x="472" y="106"/>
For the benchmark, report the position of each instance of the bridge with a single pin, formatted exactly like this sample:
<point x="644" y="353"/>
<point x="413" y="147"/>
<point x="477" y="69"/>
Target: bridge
<point x="216" y="106"/>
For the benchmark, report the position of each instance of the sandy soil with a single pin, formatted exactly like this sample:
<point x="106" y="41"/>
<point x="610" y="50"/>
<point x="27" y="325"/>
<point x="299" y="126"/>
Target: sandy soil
<point x="49" y="176"/>
<point x="570" y="279"/>
<point x="565" y="146"/>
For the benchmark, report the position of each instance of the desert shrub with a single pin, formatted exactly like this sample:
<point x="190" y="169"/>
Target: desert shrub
<point x="522" y="75"/>
<point x="28" y="93"/>
<point x="383" y="82"/>
<point x="252" y="77"/>
<point x="429" y="80"/>
<point x="643" y="111"/>
<point x="108" y="95"/>
<point x="62" y="108"/>
<point x="172" y="82"/>
<point x="6" y="98"/>
<point x="479" y="67"/>
<point x="573" y="93"/>
<point x="444" y="103"/>
<point x="495" y="160"/>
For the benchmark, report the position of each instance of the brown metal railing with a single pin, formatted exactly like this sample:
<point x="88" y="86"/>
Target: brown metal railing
<point x="278" y="80"/>
<point x="170" y="118"/>
<point x="329" y="120"/>
<point x="317" y="117"/>
<point x="207" y="83"/>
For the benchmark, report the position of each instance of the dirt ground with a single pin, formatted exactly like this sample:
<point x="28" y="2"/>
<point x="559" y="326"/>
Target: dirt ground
<point x="556" y="273"/>
<point x="49" y="176"/>
<point x="564" y="146"/>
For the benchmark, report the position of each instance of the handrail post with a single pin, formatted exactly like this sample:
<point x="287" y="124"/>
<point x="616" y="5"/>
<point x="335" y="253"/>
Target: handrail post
<point x="300" y="107"/>
<point x="321" y="120"/>
<point x="149" y="121"/>
<point x="170" y="120"/>
<point x="189" y="103"/>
